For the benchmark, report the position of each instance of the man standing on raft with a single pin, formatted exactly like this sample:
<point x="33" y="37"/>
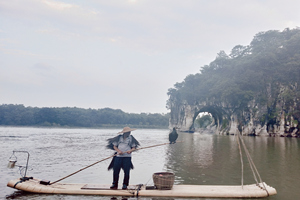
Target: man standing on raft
<point x="123" y="144"/>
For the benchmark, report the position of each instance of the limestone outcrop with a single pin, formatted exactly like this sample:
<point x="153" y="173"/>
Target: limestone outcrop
<point x="278" y="116"/>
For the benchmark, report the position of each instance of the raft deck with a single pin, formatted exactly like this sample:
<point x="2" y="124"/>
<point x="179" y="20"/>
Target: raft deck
<point x="207" y="191"/>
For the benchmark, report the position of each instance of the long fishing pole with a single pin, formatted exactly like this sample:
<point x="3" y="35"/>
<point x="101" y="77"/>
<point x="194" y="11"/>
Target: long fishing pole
<point x="105" y="159"/>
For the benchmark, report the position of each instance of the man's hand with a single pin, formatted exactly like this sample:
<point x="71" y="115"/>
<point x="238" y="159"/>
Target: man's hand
<point x="130" y="151"/>
<point x="120" y="152"/>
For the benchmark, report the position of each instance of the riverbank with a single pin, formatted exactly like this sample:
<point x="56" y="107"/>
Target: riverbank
<point x="103" y="126"/>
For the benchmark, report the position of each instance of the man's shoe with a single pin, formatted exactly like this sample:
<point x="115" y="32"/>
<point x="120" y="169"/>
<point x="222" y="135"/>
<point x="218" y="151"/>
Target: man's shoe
<point x="114" y="187"/>
<point x="124" y="187"/>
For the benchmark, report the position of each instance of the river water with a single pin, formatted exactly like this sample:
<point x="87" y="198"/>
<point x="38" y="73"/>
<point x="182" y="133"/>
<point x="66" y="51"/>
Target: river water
<point x="199" y="159"/>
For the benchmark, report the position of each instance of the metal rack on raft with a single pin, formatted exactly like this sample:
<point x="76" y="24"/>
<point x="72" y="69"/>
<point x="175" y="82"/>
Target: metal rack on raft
<point x="12" y="163"/>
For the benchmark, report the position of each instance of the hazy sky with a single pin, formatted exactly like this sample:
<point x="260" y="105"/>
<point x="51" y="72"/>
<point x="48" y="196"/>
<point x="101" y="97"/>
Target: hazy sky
<point x="121" y="54"/>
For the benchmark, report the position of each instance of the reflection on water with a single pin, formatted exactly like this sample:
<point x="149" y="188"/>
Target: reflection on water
<point x="198" y="159"/>
<point x="215" y="160"/>
<point x="188" y="158"/>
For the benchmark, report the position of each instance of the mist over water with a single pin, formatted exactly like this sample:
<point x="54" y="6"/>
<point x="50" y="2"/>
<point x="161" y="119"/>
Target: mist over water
<point x="199" y="159"/>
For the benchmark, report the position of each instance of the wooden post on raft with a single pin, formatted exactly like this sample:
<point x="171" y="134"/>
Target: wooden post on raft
<point x="105" y="159"/>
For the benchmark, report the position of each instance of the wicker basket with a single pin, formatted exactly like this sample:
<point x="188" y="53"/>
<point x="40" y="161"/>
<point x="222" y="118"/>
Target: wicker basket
<point x="163" y="180"/>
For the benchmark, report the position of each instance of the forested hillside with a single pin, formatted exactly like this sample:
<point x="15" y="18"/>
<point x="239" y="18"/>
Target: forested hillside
<point x="19" y="115"/>
<point x="253" y="86"/>
<point x="272" y="57"/>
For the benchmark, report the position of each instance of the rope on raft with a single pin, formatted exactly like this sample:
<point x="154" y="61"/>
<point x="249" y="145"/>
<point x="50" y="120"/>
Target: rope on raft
<point x="251" y="163"/>
<point x="242" y="163"/>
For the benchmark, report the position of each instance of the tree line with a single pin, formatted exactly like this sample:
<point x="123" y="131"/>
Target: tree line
<point x="247" y="73"/>
<point x="19" y="115"/>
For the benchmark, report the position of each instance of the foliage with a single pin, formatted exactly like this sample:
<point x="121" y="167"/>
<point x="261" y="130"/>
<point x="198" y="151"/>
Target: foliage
<point x="245" y="74"/>
<point x="19" y="115"/>
<point x="204" y="121"/>
<point x="225" y="123"/>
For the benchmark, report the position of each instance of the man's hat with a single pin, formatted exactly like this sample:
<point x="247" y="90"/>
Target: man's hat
<point x="127" y="129"/>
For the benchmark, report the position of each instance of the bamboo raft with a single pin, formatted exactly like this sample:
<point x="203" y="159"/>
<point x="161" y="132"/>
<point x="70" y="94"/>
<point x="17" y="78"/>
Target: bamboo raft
<point x="163" y="185"/>
<point x="181" y="191"/>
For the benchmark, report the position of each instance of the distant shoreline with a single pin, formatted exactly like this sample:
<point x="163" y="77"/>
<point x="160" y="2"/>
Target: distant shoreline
<point x="101" y="127"/>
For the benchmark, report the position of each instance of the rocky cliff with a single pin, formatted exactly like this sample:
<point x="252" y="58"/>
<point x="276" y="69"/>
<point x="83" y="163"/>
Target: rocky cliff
<point x="277" y="117"/>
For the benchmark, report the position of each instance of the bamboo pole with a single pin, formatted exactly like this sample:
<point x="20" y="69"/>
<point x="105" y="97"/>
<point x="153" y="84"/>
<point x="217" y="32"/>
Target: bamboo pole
<point x="82" y="169"/>
<point x="105" y="159"/>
